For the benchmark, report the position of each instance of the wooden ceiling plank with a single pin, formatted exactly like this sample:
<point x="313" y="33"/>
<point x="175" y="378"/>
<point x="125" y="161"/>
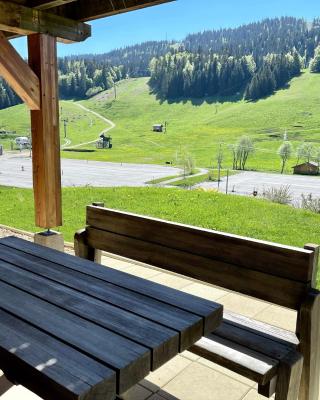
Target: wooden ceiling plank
<point x="45" y="4"/>
<point x="25" y="21"/>
<point x="18" y="74"/>
<point x="84" y="10"/>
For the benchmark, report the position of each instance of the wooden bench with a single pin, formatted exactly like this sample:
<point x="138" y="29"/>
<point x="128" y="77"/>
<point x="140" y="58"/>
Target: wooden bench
<point x="276" y="359"/>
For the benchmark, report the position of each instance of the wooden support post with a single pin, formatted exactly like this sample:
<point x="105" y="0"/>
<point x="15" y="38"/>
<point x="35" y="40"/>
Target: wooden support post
<point x="289" y="377"/>
<point x="308" y="331"/>
<point x="45" y="133"/>
<point x="82" y="250"/>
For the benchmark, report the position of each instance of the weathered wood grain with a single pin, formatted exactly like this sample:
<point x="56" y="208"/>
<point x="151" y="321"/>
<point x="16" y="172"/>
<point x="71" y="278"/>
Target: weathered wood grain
<point x="162" y="341"/>
<point x="45" y="4"/>
<point x="289" y="376"/>
<point x="257" y="341"/>
<point x="279" y="260"/>
<point x="23" y="20"/>
<point x="210" y="312"/>
<point x="130" y="360"/>
<point x="188" y="325"/>
<point x="278" y="290"/>
<point x="84" y="11"/>
<point x="18" y="74"/>
<point x="240" y="359"/>
<point x="276" y="333"/>
<point x="308" y="329"/>
<point x="81" y="248"/>
<point x="49" y="367"/>
<point x="45" y="133"/>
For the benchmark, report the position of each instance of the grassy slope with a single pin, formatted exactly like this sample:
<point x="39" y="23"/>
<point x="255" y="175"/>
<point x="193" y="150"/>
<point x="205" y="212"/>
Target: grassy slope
<point x="200" y="127"/>
<point x="235" y="214"/>
<point x="196" y="127"/>
<point x="82" y="126"/>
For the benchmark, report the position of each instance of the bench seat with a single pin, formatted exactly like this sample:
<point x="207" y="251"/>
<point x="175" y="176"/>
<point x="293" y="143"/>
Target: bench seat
<point x="252" y="348"/>
<point x="279" y="274"/>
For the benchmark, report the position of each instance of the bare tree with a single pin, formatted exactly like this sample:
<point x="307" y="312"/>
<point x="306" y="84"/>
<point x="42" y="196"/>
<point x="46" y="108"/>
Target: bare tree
<point x="305" y="152"/>
<point x="308" y="151"/>
<point x="317" y="156"/>
<point x="241" y="152"/>
<point x="300" y="152"/>
<point x="285" y="152"/>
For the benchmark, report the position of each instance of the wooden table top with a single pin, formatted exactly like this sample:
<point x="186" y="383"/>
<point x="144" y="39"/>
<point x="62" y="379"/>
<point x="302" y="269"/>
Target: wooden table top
<point x="78" y="330"/>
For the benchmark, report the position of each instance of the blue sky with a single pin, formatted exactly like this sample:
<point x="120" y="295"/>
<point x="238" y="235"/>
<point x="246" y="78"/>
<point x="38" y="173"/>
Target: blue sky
<point x="175" y="20"/>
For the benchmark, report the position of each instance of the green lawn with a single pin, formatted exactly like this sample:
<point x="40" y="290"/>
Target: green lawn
<point x="194" y="180"/>
<point x="236" y="214"/>
<point x="195" y="126"/>
<point x="250" y="217"/>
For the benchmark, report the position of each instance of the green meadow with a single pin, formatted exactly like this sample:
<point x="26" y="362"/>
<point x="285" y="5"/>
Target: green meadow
<point x="251" y="217"/>
<point x="194" y="126"/>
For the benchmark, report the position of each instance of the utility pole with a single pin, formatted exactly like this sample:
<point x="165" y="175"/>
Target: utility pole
<point x="227" y="184"/>
<point x="65" y="121"/>
<point x="219" y="164"/>
<point x="115" y="90"/>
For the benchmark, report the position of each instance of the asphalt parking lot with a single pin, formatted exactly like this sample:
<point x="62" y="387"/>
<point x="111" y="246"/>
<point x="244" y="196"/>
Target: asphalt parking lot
<point x="16" y="170"/>
<point x="245" y="182"/>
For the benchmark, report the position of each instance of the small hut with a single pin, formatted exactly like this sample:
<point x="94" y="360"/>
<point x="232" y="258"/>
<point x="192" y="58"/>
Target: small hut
<point x="307" y="168"/>
<point x="157" y="128"/>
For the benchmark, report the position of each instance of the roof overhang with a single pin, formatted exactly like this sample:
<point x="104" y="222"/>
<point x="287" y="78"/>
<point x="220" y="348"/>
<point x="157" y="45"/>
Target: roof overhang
<point x="23" y="17"/>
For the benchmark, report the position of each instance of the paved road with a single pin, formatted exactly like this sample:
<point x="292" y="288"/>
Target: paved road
<point x="16" y="170"/>
<point x="245" y="182"/>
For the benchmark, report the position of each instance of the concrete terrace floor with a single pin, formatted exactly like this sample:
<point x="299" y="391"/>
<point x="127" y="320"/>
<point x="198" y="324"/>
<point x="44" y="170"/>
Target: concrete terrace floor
<point x="187" y="376"/>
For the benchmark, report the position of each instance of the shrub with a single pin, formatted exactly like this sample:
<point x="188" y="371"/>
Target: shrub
<point x="310" y="203"/>
<point x="281" y="195"/>
<point x="93" y="91"/>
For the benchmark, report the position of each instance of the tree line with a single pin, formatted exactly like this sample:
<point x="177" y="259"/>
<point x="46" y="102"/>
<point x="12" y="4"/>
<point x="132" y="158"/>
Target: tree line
<point x="276" y="35"/>
<point x="260" y="56"/>
<point x="184" y="74"/>
<point x="198" y="75"/>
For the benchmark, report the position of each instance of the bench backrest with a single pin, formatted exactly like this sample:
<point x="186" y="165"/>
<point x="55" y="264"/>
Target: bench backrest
<point x="279" y="274"/>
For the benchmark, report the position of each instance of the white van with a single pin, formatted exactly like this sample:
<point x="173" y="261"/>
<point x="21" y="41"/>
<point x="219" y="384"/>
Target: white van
<point x="22" y="141"/>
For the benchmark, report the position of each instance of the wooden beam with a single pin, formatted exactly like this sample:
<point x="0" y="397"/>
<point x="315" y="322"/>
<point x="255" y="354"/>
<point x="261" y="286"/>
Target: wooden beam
<point x="25" y="21"/>
<point x="18" y="74"/>
<point x="84" y="10"/>
<point x="45" y="133"/>
<point x="45" y="4"/>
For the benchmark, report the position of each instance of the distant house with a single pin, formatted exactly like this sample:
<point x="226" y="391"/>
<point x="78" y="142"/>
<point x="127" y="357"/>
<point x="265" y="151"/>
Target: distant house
<point x="307" y="168"/>
<point x="157" y="128"/>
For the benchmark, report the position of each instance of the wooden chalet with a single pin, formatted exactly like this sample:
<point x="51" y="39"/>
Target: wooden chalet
<point x="307" y="168"/>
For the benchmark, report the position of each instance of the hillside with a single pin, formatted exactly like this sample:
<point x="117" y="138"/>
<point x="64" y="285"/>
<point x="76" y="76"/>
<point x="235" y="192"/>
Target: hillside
<point x="264" y="55"/>
<point x="196" y="127"/>
<point x="199" y="126"/>
<point x="82" y="126"/>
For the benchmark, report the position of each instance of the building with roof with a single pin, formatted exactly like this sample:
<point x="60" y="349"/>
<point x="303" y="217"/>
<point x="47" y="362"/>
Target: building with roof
<point x="307" y="168"/>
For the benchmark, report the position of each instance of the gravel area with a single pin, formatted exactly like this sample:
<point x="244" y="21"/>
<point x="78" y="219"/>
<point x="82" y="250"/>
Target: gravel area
<point x="13" y="232"/>
<point x="7" y="231"/>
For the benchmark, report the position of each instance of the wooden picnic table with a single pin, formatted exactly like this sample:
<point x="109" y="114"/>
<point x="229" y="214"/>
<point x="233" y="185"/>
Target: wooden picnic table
<point x="73" y="329"/>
